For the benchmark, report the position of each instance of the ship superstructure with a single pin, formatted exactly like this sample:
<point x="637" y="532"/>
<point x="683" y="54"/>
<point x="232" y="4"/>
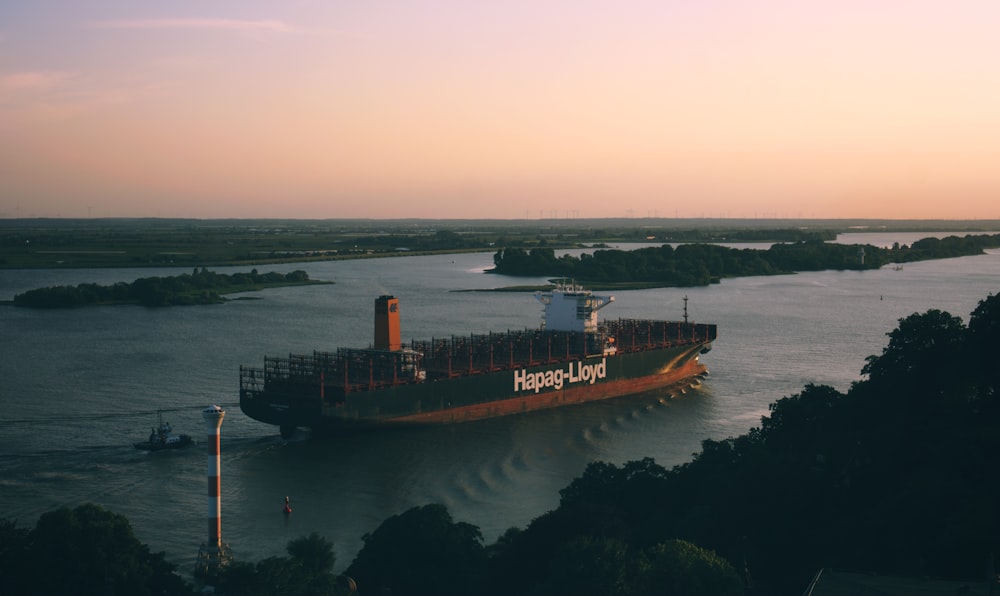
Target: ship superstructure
<point x="571" y="308"/>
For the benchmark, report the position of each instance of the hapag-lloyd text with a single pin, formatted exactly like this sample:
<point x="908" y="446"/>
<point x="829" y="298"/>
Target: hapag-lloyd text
<point x="575" y="372"/>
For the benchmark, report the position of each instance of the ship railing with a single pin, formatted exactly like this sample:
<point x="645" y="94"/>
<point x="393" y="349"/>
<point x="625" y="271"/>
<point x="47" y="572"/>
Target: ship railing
<point x="480" y="354"/>
<point x="302" y="366"/>
<point x="636" y="335"/>
<point x="251" y="379"/>
<point x="255" y="384"/>
<point x="295" y="366"/>
<point x="333" y="373"/>
<point x="360" y="369"/>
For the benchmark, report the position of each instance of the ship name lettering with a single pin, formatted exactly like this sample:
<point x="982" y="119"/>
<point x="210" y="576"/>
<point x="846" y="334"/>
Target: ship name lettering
<point x="575" y="372"/>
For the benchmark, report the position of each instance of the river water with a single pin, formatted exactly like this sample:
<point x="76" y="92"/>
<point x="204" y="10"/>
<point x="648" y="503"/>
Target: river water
<point x="78" y="387"/>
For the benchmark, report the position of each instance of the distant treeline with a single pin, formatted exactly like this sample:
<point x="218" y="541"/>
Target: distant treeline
<point x="199" y="287"/>
<point x="448" y="240"/>
<point x="67" y="243"/>
<point x="701" y="264"/>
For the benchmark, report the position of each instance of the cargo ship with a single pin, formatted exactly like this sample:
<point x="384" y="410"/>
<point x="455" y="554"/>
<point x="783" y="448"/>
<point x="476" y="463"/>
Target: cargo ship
<point x="571" y="358"/>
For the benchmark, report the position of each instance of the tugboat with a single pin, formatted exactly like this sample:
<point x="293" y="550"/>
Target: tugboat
<point x="163" y="437"/>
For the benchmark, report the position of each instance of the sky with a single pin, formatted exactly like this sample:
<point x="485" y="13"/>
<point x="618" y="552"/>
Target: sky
<point x="462" y="109"/>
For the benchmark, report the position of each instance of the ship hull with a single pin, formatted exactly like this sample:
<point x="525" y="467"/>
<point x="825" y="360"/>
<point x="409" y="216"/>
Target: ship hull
<point x="474" y="397"/>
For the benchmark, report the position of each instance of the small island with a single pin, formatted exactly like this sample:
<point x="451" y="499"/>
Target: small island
<point x="198" y="287"/>
<point x="701" y="264"/>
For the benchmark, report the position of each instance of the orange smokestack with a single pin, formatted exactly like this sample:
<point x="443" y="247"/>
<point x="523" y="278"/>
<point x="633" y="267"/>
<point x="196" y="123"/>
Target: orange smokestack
<point x="387" y="336"/>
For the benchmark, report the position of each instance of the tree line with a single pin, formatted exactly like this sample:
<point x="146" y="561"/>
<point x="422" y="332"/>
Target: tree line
<point x="698" y="264"/>
<point x="121" y="242"/>
<point x="891" y="477"/>
<point x="198" y="287"/>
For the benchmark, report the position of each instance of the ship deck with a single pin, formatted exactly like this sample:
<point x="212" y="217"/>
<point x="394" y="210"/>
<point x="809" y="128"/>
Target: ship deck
<point x="349" y="370"/>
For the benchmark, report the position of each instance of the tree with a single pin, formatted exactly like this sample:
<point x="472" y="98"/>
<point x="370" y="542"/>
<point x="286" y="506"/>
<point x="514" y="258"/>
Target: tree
<point x="421" y="551"/>
<point x="307" y="571"/>
<point x="631" y="496"/>
<point x="86" y="550"/>
<point x="802" y="420"/>
<point x="314" y="553"/>
<point x="679" y="568"/>
<point x="920" y="361"/>
<point x="588" y="566"/>
<point x="13" y="546"/>
<point x="984" y="346"/>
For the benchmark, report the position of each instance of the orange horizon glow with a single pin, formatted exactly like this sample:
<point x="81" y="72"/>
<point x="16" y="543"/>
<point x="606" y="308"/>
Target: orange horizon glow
<point x="767" y="108"/>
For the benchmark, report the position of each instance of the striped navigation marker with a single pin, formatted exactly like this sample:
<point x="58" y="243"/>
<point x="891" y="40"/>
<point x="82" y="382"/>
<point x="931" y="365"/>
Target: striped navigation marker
<point x="214" y="554"/>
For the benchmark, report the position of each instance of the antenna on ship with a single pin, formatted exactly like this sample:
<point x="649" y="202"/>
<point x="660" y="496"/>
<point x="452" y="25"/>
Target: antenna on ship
<point x="685" y="310"/>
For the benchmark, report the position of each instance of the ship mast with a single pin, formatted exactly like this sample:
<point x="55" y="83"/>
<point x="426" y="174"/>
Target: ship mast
<point x="685" y="310"/>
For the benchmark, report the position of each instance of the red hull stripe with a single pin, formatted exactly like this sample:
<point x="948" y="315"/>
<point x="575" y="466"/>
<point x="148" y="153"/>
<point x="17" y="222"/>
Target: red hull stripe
<point x="541" y="401"/>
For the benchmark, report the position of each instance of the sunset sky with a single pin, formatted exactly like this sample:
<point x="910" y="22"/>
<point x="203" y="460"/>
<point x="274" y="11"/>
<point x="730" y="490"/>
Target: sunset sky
<point x="459" y="109"/>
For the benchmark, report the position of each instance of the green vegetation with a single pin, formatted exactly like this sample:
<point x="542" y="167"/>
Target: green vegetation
<point x="702" y="264"/>
<point x="421" y="551"/>
<point x="306" y="571"/>
<point x="129" y="243"/>
<point x="889" y="478"/>
<point x="199" y="287"/>
<point x="67" y="243"/>
<point x="85" y="551"/>
<point x="686" y="265"/>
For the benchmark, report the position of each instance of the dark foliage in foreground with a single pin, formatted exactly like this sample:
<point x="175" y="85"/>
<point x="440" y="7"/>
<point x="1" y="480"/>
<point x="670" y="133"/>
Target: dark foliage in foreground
<point x="421" y="551"/>
<point x="891" y="477"/>
<point x="306" y="571"/>
<point x="82" y="551"/>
